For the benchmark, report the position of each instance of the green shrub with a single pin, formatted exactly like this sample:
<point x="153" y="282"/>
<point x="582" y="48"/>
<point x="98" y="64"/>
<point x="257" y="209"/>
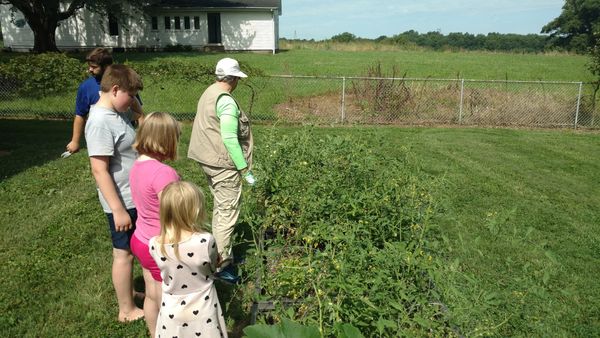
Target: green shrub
<point x="179" y="70"/>
<point x="41" y="74"/>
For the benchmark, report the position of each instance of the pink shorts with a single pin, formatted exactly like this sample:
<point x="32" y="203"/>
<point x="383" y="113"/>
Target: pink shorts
<point x="142" y="253"/>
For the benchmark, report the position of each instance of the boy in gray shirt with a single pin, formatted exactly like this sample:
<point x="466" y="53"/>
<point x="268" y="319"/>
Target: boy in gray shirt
<point x="110" y="137"/>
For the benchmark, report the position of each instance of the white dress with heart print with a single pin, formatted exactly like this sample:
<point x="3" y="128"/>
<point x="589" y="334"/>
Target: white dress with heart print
<point x="190" y="306"/>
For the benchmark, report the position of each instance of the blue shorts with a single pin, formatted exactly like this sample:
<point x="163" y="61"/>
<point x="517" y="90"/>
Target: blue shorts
<point x="121" y="239"/>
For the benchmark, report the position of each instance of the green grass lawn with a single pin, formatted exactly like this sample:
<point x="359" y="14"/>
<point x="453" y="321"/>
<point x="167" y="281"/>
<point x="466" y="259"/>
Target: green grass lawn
<point x="415" y="64"/>
<point x="519" y="223"/>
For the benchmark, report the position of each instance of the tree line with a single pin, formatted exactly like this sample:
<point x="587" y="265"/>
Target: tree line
<point x="530" y="43"/>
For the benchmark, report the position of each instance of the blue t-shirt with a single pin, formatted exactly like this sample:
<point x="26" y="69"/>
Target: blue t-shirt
<point x="87" y="95"/>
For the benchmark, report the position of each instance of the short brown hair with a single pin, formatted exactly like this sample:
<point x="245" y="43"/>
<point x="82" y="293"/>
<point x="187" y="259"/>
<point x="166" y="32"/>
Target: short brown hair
<point x="158" y="136"/>
<point x="123" y="76"/>
<point x="100" y="56"/>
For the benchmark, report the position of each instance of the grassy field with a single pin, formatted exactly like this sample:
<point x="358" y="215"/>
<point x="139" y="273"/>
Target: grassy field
<point x="421" y="64"/>
<point x="519" y="227"/>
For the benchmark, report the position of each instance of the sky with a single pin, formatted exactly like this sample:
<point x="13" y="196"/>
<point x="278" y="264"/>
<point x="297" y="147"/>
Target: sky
<point x="322" y="19"/>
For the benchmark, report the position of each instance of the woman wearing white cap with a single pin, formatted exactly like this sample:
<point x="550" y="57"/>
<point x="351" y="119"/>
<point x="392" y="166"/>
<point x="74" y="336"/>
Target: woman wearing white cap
<point x="221" y="142"/>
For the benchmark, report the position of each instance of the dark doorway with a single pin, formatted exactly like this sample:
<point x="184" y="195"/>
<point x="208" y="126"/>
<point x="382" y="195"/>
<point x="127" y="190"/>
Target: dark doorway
<point x="214" y="27"/>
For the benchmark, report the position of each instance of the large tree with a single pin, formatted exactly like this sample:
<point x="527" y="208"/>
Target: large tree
<point x="576" y="26"/>
<point x="43" y="16"/>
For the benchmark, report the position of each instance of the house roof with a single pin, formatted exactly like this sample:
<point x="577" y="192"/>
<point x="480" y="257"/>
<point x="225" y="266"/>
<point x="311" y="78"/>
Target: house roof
<point x="248" y="4"/>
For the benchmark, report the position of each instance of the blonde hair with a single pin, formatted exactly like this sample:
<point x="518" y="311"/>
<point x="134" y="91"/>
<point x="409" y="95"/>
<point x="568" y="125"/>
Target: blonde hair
<point x="182" y="208"/>
<point x="158" y="136"/>
<point x="123" y="76"/>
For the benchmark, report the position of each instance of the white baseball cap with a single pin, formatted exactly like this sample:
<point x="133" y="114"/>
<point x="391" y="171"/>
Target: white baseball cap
<point x="229" y="66"/>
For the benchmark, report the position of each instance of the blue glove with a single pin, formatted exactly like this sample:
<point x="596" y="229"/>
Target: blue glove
<point x="249" y="178"/>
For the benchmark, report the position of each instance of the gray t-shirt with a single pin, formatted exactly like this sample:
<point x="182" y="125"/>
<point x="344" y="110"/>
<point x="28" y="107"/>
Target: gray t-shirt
<point x="108" y="133"/>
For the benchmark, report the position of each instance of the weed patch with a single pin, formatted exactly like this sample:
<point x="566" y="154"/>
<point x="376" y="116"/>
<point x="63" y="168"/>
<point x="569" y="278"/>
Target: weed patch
<point x="341" y="240"/>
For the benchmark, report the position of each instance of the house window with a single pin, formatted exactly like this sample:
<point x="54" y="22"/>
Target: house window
<point x="113" y="25"/>
<point x="177" y="22"/>
<point x="167" y="22"/>
<point x="196" y="22"/>
<point x="186" y="22"/>
<point x="154" y="23"/>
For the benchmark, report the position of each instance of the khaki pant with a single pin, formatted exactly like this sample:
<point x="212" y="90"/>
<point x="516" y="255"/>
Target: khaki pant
<point x="226" y="188"/>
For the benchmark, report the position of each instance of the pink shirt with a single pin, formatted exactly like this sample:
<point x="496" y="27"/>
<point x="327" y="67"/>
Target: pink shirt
<point x="147" y="179"/>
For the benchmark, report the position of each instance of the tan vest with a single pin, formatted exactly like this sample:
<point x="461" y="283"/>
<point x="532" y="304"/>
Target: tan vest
<point x="206" y="144"/>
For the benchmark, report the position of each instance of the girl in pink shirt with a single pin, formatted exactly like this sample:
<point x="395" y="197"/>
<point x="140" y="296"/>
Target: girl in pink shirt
<point x="156" y="141"/>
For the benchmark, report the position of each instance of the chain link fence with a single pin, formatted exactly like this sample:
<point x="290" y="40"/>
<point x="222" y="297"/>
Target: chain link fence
<point x="355" y="100"/>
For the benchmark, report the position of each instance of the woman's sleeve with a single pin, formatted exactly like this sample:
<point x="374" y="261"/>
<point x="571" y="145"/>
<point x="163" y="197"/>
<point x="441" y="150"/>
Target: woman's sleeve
<point x="228" y="113"/>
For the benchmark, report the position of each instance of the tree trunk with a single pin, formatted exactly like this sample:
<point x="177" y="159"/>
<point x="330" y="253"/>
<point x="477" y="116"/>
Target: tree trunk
<point x="43" y="17"/>
<point x="44" y="33"/>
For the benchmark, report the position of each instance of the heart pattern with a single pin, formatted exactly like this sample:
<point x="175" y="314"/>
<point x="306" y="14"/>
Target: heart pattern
<point x="180" y="308"/>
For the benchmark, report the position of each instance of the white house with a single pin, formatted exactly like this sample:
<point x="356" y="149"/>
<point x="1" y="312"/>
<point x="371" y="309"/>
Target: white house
<point x="231" y="25"/>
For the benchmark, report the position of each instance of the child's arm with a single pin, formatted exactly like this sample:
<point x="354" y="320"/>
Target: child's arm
<point x="106" y="185"/>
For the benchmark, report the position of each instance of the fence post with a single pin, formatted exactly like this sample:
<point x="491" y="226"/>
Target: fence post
<point x="578" y="104"/>
<point x="462" y="95"/>
<point x="343" y="99"/>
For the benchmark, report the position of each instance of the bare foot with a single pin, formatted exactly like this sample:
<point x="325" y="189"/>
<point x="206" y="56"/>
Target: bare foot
<point x="136" y="314"/>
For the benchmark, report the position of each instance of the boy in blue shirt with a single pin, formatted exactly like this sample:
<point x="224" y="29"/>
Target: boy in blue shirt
<point x="89" y="93"/>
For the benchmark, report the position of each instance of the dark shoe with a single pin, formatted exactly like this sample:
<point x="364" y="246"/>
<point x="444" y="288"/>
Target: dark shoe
<point x="239" y="260"/>
<point x="228" y="275"/>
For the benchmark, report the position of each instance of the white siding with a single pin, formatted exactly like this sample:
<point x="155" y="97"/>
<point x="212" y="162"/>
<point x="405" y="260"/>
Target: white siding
<point x="247" y="30"/>
<point x="88" y="29"/>
<point x="14" y="36"/>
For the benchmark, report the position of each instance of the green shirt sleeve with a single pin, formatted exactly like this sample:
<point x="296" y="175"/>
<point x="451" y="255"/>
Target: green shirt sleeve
<point x="228" y="114"/>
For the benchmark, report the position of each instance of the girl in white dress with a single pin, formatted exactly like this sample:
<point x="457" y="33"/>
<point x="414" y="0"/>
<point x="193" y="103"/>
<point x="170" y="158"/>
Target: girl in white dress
<point x="187" y="257"/>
